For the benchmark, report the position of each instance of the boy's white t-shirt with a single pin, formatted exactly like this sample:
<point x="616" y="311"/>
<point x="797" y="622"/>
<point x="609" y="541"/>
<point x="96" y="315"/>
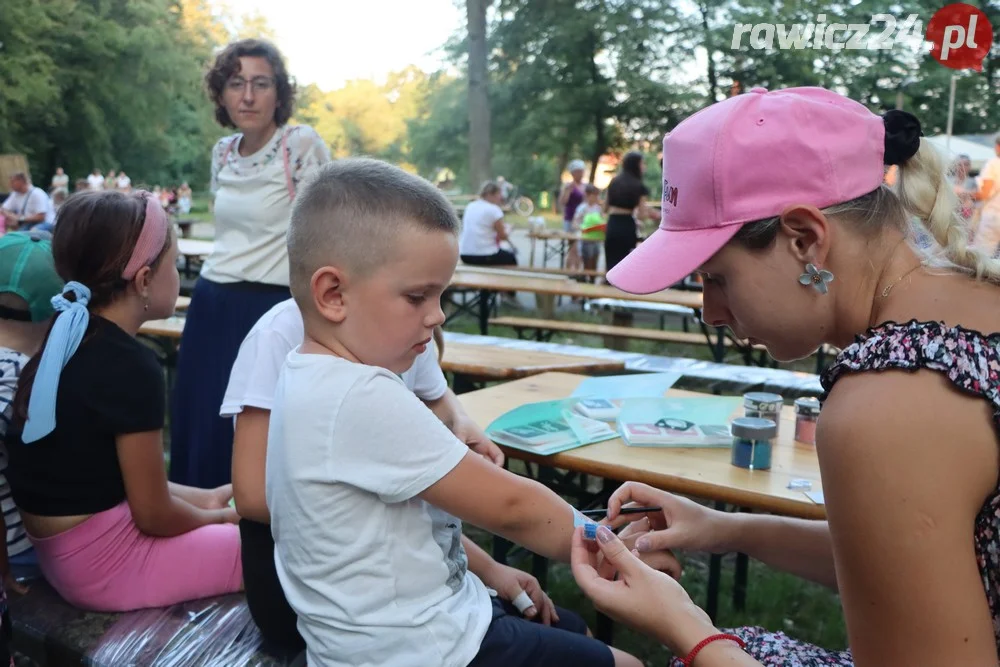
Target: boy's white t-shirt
<point x="275" y="334"/>
<point x="376" y="575"/>
<point x="479" y="236"/>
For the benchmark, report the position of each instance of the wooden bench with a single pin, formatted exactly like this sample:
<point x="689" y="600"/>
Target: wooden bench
<point x="214" y="631"/>
<point x="696" y="374"/>
<point x="545" y="328"/>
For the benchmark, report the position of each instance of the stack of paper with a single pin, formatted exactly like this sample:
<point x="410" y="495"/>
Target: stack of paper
<point x="678" y="422"/>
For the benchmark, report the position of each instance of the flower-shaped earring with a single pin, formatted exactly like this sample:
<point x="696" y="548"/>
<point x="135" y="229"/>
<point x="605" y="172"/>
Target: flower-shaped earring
<point x="818" y="278"/>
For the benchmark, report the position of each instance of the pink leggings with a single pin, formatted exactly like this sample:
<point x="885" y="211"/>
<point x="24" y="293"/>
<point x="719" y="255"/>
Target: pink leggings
<point x="107" y="564"/>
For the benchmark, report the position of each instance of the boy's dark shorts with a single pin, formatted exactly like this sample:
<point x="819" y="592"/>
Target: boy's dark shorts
<point x="513" y="641"/>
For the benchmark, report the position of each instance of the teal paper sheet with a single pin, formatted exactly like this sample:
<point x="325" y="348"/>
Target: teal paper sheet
<point x="547" y="428"/>
<point x="635" y="385"/>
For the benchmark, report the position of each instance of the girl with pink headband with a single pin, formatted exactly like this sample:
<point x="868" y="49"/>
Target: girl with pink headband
<point x="86" y="441"/>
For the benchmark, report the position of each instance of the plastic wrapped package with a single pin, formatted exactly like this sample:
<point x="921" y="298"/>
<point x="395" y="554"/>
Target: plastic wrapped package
<point x="213" y="632"/>
<point x="206" y="633"/>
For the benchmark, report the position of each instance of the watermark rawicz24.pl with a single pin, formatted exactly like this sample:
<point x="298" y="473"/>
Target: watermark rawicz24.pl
<point x="883" y="32"/>
<point x="959" y="35"/>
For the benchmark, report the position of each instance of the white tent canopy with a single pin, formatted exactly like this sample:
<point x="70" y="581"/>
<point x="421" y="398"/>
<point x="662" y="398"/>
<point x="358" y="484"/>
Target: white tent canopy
<point x="978" y="153"/>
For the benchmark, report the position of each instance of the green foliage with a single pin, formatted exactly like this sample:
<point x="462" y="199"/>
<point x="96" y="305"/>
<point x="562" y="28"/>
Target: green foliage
<point x="110" y="84"/>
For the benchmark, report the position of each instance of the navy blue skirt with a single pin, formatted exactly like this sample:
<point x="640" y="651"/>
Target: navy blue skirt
<point x="219" y="318"/>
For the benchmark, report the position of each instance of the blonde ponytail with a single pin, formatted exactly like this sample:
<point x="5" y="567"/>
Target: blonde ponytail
<point x="924" y="193"/>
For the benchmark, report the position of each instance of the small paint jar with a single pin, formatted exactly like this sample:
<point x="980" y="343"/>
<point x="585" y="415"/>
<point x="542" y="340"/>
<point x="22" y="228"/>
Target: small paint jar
<point x="763" y="405"/>
<point x="806" y="414"/>
<point x="753" y="439"/>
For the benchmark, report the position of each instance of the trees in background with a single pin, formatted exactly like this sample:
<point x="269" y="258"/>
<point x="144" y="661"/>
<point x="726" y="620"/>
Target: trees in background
<point x="108" y="84"/>
<point x="117" y="83"/>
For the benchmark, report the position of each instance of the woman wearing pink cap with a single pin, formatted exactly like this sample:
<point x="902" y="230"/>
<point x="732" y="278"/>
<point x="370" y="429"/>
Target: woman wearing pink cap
<point x="777" y="200"/>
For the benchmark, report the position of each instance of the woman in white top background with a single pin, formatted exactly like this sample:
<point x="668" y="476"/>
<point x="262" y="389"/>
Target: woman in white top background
<point x="255" y="174"/>
<point x="483" y="230"/>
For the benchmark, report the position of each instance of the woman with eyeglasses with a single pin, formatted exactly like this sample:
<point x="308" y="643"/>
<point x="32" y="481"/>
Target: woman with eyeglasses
<point x="255" y="175"/>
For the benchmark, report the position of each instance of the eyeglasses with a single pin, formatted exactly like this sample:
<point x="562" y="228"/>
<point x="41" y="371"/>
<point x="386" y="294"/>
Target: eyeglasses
<point x="259" y="84"/>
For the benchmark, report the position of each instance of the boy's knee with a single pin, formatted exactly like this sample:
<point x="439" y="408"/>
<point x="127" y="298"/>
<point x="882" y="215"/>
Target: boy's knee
<point x="623" y="659"/>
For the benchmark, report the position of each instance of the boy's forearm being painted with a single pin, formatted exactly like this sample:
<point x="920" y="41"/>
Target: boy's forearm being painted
<point x="537" y="519"/>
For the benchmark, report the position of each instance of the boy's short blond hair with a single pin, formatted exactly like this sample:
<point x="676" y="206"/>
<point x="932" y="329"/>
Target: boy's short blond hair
<point x="352" y="213"/>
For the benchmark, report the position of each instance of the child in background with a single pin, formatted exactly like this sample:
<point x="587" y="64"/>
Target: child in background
<point x="86" y="440"/>
<point x="367" y="489"/>
<point x="589" y="221"/>
<point x="28" y="281"/>
<point x="249" y="399"/>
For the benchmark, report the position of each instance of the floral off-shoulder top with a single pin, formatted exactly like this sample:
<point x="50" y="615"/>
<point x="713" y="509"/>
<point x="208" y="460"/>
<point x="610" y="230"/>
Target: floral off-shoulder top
<point x="971" y="361"/>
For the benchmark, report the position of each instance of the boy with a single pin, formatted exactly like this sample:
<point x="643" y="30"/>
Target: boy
<point x="589" y="220"/>
<point x="366" y="487"/>
<point x="249" y="399"/>
<point x="28" y="281"/>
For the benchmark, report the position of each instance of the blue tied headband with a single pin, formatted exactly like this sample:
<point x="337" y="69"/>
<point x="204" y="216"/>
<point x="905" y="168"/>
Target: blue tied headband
<point x="67" y="331"/>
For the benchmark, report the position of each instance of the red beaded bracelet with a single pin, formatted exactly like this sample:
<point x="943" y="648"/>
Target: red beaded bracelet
<point x="689" y="660"/>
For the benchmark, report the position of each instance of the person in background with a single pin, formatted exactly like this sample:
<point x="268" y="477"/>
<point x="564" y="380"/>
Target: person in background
<point x="570" y="197"/>
<point x="58" y="198"/>
<point x="483" y="230"/>
<point x="589" y="221"/>
<point x="59" y="182"/>
<point x="27" y="206"/>
<point x="95" y="181"/>
<point x="123" y="183"/>
<point x="86" y="439"/>
<point x="627" y="206"/>
<point x="988" y="230"/>
<point x="255" y="175"/>
<point x="184" y="198"/>
<point x="28" y="281"/>
<point x="111" y="180"/>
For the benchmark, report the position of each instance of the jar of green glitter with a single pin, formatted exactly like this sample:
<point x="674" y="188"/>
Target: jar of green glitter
<point x="753" y="439"/>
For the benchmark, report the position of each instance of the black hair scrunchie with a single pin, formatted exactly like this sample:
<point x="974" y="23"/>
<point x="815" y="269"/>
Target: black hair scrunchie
<point x="902" y="136"/>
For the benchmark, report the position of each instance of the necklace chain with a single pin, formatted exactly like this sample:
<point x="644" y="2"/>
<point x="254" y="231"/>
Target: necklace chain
<point x="885" y="292"/>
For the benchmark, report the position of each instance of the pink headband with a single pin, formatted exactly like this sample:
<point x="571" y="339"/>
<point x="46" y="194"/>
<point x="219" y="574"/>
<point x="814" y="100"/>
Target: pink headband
<point x="151" y="238"/>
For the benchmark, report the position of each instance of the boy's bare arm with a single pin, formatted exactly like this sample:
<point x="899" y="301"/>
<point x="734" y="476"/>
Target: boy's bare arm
<point x="503" y="503"/>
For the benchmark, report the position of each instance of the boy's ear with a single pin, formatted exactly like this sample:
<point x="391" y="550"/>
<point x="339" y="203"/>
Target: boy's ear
<point x="327" y="286"/>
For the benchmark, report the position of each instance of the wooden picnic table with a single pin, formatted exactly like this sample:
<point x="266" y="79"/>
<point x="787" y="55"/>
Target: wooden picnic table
<point x="183" y="303"/>
<point x="702" y="473"/>
<point x="489" y="281"/>
<point x="562" y="239"/>
<point x="501" y="363"/>
<point x="513" y="280"/>
<point x="195" y="247"/>
<point x="483" y="362"/>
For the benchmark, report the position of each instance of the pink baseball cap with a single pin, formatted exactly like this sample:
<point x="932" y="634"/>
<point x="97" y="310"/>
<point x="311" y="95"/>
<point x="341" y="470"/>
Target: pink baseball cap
<point x="747" y="158"/>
